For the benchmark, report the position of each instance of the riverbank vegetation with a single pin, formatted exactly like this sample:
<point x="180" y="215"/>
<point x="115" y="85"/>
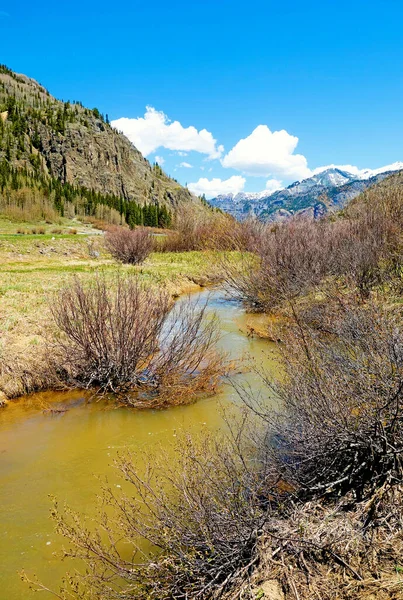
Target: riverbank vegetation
<point x="121" y="336"/>
<point x="299" y="502"/>
<point x="360" y="248"/>
<point x="34" y="267"/>
<point x="305" y="501"/>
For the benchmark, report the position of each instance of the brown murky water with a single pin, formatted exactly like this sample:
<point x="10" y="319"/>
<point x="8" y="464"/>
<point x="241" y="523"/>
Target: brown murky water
<point x="65" y="454"/>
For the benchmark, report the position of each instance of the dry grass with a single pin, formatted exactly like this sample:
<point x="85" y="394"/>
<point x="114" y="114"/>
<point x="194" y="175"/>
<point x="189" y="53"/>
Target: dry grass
<point x="32" y="268"/>
<point x="335" y="551"/>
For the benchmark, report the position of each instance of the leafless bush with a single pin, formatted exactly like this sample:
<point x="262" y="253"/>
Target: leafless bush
<point x="201" y="512"/>
<point x="201" y="231"/>
<point x="341" y="427"/>
<point x="356" y="248"/>
<point x="249" y="235"/>
<point x="291" y="258"/>
<point x="363" y="247"/>
<point x="217" y="530"/>
<point x="121" y="336"/>
<point x="129" y="246"/>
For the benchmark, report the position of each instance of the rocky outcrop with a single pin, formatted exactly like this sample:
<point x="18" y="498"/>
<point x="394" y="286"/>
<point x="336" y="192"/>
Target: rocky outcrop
<point x="77" y="145"/>
<point x="100" y="158"/>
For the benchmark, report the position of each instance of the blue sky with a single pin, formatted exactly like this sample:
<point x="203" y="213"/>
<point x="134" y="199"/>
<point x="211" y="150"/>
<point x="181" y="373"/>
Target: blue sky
<point x="249" y="94"/>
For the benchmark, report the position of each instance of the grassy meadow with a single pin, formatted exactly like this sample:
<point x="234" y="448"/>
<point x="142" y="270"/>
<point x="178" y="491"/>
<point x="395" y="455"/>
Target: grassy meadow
<point x="33" y="266"/>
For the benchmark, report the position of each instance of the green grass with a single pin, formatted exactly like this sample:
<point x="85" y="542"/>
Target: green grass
<point x="34" y="267"/>
<point x="11" y="227"/>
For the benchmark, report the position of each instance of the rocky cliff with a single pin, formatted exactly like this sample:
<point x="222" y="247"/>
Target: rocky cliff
<point x="76" y="145"/>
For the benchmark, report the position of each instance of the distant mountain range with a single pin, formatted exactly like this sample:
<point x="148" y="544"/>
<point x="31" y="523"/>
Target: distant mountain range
<point x="325" y="191"/>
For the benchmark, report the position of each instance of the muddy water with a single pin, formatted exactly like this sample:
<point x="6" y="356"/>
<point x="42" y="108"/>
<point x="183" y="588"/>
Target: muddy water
<point x="64" y="454"/>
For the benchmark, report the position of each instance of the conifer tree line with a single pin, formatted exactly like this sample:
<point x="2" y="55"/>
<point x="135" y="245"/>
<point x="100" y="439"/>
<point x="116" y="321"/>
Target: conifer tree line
<point x="26" y="113"/>
<point x="25" y="119"/>
<point x="85" y="201"/>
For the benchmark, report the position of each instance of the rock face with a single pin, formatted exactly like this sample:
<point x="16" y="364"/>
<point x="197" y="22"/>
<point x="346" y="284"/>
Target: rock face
<point x="94" y="156"/>
<point x="329" y="190"/>
<point x="76" y="145"/>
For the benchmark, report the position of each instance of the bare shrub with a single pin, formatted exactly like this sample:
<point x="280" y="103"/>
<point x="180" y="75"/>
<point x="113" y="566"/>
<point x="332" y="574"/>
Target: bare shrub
<point x="219" y="529"/>
<point x="244" y="280"/>
<point x="341" y="425"/>
<point x="357" y="249"/>
<point x="201" y="512"/>
<point x="185" y="236"/>
<point x="249" y="235"/>
<point x="363" y="247"/>
<point x="200" y="231"/>
<point x="121" y="336"/>
<point x="291" y="258"/>
<point x="129" y="246"/>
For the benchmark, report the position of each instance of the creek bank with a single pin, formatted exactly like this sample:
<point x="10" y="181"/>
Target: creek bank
<point x="67" y="450"/>
<point x="23" y="362"/>
<point x="266" y="326"/>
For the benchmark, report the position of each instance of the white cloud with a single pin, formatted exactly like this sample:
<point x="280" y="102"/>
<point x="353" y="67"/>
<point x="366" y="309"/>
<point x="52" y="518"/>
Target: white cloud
<point x="182" y="153"/>
<point x="272" y="185"/>
<point x="155" y="130"/>
<point x="268" y="153"/>
<point x="215" y="187"/>
<point x="160" y="160"/>
<point x="186" y="165"/>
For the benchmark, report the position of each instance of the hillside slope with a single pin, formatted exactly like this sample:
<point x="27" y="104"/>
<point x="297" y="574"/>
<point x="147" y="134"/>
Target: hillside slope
<point x="76" y="145"/>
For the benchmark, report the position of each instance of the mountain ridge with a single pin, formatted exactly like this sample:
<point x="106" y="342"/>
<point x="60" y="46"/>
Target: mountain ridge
<point x="323" y="192"/>
<point x="76" y="145"/>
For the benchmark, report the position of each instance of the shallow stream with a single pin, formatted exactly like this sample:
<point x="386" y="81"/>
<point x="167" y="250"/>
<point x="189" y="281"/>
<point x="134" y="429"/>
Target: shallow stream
<point x="64" y="454"/>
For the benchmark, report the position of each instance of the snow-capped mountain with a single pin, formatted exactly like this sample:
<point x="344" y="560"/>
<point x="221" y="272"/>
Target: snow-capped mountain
<point x="362" y="173"/>
<point x="327" y="189"/>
